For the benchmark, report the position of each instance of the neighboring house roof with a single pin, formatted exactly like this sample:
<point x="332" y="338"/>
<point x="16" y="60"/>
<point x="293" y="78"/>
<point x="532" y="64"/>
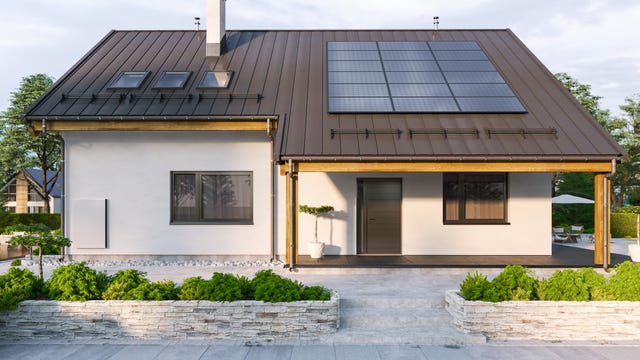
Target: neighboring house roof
<point x="284" y="73"/>
<point x="36" y="176"/>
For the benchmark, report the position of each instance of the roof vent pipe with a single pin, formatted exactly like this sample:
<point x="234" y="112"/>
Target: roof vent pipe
<point x="197" y="19"/>
<point x="215" y="27"/>
<point x="436" y="21"/>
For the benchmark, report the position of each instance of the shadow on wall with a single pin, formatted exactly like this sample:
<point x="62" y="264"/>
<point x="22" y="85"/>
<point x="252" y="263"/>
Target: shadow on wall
<point x="340" y="215"/>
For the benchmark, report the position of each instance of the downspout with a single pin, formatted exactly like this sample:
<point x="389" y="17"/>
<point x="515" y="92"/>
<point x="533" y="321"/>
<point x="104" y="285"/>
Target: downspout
<point x="63" y="192"/>
<point x="605" y="227"/>
<point x="292" y="211"/>
<point x="273" y="193"/>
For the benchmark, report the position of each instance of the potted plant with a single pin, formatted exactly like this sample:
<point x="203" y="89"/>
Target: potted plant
<point x="316" y="248"/>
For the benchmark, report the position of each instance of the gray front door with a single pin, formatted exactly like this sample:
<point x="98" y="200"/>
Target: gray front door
<point x="379" y="204"/>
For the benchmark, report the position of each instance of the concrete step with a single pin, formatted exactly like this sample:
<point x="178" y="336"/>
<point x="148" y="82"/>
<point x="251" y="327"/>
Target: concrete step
<point x="442" y="336"/>
<point x="393" y="318"/>
<point x="382" y="302"/>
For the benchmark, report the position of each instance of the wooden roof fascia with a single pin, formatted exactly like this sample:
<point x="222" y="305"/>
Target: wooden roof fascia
<point x="604" y="166"/>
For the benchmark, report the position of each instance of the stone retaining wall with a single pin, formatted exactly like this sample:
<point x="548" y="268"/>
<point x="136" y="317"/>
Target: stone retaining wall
<point x="546" y="320"/>
<point x="255" y="320"/>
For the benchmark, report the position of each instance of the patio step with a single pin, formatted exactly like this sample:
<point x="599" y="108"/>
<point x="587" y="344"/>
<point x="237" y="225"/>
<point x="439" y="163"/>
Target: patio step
<point x="394" y="320"/>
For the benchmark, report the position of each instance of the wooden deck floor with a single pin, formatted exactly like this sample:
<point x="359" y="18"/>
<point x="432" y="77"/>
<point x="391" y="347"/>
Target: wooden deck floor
<point x="562" y="256"/>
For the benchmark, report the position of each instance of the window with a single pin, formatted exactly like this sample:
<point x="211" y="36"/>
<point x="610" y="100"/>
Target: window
<point x="475" y="198"/>
<point x="129" y="80"/>
<point x="172" y="80"/>
<point x="215" y="79"/>
<point x="211" y="197"/>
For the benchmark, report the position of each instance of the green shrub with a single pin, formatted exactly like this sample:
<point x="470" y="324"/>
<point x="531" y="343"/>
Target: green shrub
<point x="76" y="282"/>
<point x="193" y="288"/>
<point x="623" y="225"/>
<point x="624" y="285"/>
<point x="160" y="290"/>
<point x="571" y="285"/>
<point x="122" y="283"/>
<point x="52" y="221"/>
<point x="270" y="287"/>
<point x="473" y="286"/>
<point x="515" y="282"/>
<point x="17" y="285"/>
<point x="629" y="209"/>
<point x="16" y="262"/>
<point x="315" y="293"/>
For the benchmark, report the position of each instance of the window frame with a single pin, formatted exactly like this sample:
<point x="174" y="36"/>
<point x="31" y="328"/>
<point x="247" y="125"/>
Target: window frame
<point x="461" y="201"/>
<point x="186" y="74"/>
<point x="198" y="199"/>
<point x="112" y="85"/>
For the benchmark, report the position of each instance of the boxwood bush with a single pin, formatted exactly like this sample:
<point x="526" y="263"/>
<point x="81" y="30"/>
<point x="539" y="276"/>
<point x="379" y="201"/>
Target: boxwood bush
<point x="17" y="285"/>
<point x="132" y="284"/>
<point x="623" y="225"/>
<point x="76" y="282"/>
<point x="571" y="285"/>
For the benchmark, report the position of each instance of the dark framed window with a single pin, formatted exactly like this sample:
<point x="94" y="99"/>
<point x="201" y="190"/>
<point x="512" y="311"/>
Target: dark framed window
<point x="215" y="80"/>
<point x="211" y="197"/>
<point x="129" y="80"/>
<point x="475" y="198"/>
<point x="172" y="80"/>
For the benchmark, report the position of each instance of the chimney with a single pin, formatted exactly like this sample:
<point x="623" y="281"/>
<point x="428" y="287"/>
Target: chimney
<point x="215" y="27"/>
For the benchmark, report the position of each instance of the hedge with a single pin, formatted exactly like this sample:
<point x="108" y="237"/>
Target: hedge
<point x="9" y="219"/>
<point x="623" y="225"/>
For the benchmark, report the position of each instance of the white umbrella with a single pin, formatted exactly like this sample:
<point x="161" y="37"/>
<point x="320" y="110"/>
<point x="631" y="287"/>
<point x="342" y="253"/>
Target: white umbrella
<point x="570" y="199"/>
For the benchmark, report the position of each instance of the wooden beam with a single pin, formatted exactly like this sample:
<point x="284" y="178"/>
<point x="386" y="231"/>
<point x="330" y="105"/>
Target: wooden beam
<point x="291" y="217"/>
<point x="604" y="166"/>
<point x="600" y="213"/>
<point x="153" y="125"/>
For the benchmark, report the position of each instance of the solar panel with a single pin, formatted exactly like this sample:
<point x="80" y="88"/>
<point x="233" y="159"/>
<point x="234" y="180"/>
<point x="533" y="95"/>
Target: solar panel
<point x="415" y="77"/>
<point x="473" y="77"/>
<point x="353" y="55"/>
<point x="481" y="90"/>
<point x="410" y="66"/>
<point x="406" y="55"/>
<point x="358" y="90"/>
<point x="356" y="77"/>
<point x="360" y="104"/>
<point x="460" y="55"/>
<point x="354" y="65"/>
<point x="430" y="90"/>
<point x="425" y="104"/>
<point x="490" y="104"/>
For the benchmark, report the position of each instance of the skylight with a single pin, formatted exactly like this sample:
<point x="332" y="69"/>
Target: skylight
<point x="129" y="80"/>
<point x="215" y="79"/>
<point x="172" y="80"/>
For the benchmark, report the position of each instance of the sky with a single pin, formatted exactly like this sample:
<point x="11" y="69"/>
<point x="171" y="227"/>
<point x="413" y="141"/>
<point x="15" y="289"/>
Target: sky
<point x="594" y="41"/>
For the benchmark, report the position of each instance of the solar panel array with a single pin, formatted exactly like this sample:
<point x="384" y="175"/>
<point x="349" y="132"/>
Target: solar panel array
<point x="415" y="77"/>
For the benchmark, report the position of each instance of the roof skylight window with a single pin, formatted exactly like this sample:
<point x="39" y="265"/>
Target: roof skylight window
<point x="172" y="80"/>
<point x="215" y="79"/>
<point x="129" y="80"/>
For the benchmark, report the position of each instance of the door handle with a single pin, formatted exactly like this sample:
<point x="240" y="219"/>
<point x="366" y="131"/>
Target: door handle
<point x="372" y="219"/>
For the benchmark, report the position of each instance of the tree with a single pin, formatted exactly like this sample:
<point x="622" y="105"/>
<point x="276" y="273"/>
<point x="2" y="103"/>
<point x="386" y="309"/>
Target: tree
<point x="20" y="149"/>
<point x="316" y="211"/>
<point x="40" y="236"/>
<point x="626" y="130"/>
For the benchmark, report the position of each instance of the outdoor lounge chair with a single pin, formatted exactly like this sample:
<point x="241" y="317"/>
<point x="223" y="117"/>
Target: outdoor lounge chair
<point x="576" y="232"/>
<point x="560" y="235"/>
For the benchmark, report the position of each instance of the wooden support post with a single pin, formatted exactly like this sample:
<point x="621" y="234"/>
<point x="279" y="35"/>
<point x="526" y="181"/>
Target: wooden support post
<point x="292" y="217"/>
<point x="601" y="218"/>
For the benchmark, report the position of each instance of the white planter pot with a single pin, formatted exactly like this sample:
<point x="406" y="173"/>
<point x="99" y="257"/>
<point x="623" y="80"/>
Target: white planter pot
<point x="316" y="249"/>
<point x="634" y="252"/>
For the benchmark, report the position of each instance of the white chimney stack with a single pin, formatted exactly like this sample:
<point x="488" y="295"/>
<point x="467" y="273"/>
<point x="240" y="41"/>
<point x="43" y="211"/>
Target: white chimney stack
<point x="215" y="27"/>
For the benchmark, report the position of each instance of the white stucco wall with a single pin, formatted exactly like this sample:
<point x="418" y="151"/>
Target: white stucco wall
<point x="132" y="171"/>
<point x="423" y="232"/>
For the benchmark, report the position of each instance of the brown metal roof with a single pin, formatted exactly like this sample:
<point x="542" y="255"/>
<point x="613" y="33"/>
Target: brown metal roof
<point x="283" y="73"/>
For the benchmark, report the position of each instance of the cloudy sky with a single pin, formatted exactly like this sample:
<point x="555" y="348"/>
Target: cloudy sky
<point x="594" y="41"/>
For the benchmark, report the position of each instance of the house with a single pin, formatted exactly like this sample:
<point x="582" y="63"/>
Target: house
<point x="424" y="141"/>
<point x="22" y="196"/>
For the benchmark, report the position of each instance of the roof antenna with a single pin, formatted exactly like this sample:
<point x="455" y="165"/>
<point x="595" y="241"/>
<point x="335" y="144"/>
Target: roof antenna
<point x="197" y="19"/>
<point x="436" y="21"/>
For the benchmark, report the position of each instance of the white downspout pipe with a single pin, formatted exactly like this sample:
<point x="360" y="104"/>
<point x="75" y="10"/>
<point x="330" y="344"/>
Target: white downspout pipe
<point x="606" y="208"/>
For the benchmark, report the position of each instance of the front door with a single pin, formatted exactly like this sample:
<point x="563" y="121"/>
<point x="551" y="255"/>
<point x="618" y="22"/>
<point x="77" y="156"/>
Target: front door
<point x="379" y="204"/>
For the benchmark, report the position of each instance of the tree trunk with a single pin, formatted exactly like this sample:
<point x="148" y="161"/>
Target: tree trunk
<point x="40" y="263"/>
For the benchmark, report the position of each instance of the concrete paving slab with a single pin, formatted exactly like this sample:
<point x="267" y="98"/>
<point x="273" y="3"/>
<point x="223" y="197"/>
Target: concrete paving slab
<point x="45" y="351"/>
<point x="401" y="352"/>
<point x="271" y="352"/>
<point x="618" y="352"/>
<point x="182" y="352"/>
<point x="95" y="352"/>
<point x="230" y="352"/>
<point x="138" y="352"/>
<point x="582" y="353"/>
<point x="313" y="352"/>
<point x="14" y="351"/>
<point x="356" y="352"/>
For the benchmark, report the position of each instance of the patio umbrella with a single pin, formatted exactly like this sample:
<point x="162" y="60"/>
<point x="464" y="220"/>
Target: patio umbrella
<point x="570" y="199"/>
